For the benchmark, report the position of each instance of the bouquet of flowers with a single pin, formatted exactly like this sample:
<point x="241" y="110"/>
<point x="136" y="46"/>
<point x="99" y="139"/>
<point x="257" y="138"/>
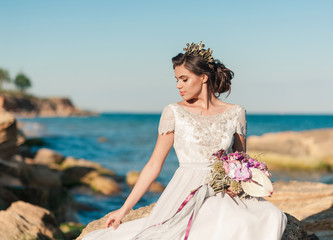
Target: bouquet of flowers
<point x="240" y="173"/>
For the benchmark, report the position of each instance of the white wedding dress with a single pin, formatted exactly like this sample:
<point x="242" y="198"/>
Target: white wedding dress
<point x="217" y="217"/>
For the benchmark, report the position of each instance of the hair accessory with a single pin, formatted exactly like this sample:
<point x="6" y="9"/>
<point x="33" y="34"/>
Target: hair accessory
<point x="198" y="50"/>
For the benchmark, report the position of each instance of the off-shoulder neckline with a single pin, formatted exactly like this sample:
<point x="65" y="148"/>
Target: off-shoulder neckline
<point x="208" y="116"/>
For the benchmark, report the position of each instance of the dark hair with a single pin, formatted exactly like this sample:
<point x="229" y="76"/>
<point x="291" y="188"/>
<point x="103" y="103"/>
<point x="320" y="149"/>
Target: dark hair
<point x="219" y="77"/>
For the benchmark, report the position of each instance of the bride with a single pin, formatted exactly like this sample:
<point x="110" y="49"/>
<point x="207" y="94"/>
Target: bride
<point x="196" y="127"/>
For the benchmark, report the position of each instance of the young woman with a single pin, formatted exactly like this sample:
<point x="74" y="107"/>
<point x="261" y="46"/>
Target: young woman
<point x="197" y="127"/>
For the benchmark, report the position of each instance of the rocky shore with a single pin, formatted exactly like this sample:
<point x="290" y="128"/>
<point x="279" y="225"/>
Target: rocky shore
<point x="36" y="190"/>
<point x="24" y="105"/>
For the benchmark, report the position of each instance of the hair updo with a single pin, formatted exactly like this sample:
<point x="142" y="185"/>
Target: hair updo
<point x="219" y="77"/>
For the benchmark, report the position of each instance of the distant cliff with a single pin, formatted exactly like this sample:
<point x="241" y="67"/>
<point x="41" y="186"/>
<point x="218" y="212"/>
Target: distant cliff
<point x="30" y="106"/>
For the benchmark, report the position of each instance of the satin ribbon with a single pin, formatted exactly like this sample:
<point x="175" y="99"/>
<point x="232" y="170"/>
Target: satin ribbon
<point x="171" y="227"/>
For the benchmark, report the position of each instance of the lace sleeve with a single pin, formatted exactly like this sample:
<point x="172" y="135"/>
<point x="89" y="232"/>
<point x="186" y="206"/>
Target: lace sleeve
<point x="241" y="125"/>
<point x="167" y="121"/>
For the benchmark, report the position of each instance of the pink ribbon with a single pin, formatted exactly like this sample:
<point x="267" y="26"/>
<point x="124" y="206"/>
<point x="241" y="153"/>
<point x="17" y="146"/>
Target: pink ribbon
<point x="187" y="199"/>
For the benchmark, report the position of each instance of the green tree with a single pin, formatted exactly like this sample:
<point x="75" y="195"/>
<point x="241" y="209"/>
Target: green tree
<point x="22" y="82"/>
<point x="4" y="77"/>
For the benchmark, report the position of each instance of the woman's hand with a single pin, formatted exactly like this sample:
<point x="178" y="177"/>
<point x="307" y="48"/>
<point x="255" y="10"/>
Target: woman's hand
<point x="115" y="217"/>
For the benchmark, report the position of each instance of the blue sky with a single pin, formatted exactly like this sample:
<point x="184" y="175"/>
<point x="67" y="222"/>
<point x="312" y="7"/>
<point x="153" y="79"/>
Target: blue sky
<point x="116" y="55"/>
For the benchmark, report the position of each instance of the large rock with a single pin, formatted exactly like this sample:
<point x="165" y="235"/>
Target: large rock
<point x="133" y="176"/>
<point x="309" y="202"/>
<point x="310" y="149"/>
<point x="132" y="215"/>
<point x="101" y="184"/>
<point x="41" y="176"/>
<point x="8" y="135"/>
<point x="48" y="157"/>
<point x="302" y="199"/>
<point x="74" y="176"/>
<point x="73" y="162"/>
<point x="26" y="221"/>
<point x="321" y="224"/>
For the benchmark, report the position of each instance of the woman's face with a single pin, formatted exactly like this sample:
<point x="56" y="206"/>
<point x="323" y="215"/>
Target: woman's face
<point x="190" y="85"/>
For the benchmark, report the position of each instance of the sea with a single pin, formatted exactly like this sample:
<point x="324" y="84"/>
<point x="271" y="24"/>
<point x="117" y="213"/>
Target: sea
<point x="124" y="141"/>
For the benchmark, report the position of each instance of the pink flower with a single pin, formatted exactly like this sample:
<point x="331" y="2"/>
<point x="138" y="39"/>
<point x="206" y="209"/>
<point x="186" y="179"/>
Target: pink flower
<point x="233" y="166"/>
<point x="244" y="173"/>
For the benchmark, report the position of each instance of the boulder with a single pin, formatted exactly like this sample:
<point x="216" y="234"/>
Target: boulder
<point x="132" y="215"/>
<point x="133" y="176"/>
<point x="310" y="149"/>
<point x="8" y="135"/>
<point x="302" y="199"/>
<point x="320" y="224"/>
<point x="294" y="230"/>
<point x="48" y="157"/>
<point x="101" y="184"/>
<point x="73" y="162"/>
<point x="9" y="180"/>
<point x="156" y="187"/>
<point x="309" y="202"/>
<point x="72" y="176"/>
<point x="6" y="198"/>
<point x="26" y="221"/>
<point x="42" y="176"/>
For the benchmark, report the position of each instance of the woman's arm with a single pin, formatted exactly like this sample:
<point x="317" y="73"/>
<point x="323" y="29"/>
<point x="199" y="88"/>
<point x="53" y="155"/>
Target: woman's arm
<point x="148" y="174"/>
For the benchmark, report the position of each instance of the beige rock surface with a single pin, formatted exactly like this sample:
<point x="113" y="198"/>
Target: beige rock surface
<point x="73" y="162"/>
<point x="309" y="202"/>
<point x="132" y="215"/>
<point x="310" y="149"/>
<point x="48" y="157"/>
<point x="302" y="199"/>
<point x="26" y="221"/>
<point x="132" y="177"/>
<point x="101" y="184"/>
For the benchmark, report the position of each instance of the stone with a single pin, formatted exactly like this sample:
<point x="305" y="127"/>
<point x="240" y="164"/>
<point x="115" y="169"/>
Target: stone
<point x="6" y="197"/>
<point x="102" y="139"/>
<point x="42" y="176"/>
<point x="48" y="157"/>
<point x="132" y="215"/>
<point x="320" y="224"/>
<point x="302" y="199"/>
<point x="9" y="180"/>
<point x="311" y="149"/>
<point x="73" y="162"/>
<point x="294" y="229"/>
<point x="8" y="135"/>
<point x="72" y="176"/>
<point x="133" y="176"/>
<point x="156" y="187"/>
<point x="101" y="184"/>
<point x="26" y="221"/>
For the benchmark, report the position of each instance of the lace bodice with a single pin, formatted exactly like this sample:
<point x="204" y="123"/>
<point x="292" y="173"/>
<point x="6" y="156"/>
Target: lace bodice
<point x="197" y="137"/>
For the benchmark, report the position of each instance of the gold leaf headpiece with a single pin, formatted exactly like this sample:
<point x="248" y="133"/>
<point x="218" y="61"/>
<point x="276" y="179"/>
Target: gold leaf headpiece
<point x="198" y="50"/>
